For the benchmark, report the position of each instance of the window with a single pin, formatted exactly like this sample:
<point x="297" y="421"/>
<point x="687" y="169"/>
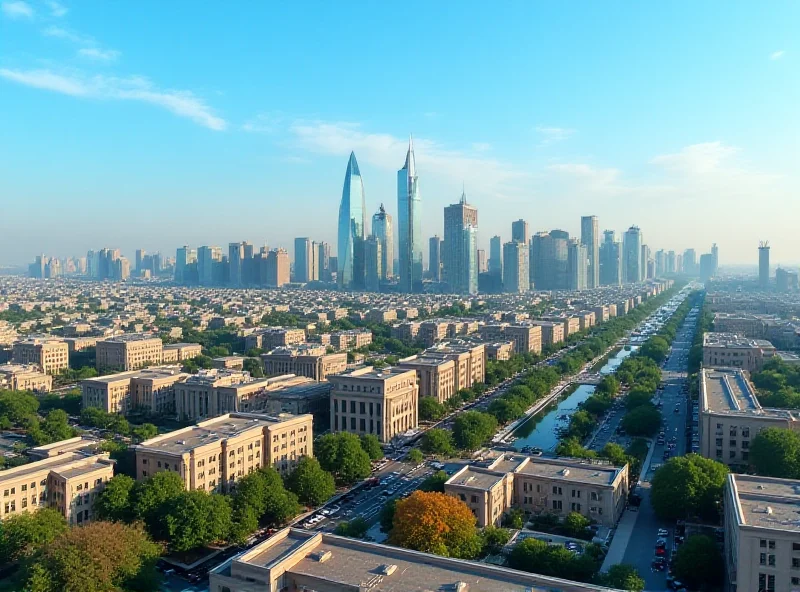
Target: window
<point x="556" y="504"/>
<point x="556" y="490"/>
<point x="594" y="496"/>
<point x="733" y="443"/>
<point x="795" y="562"/>
<point x="762" y="559"/>
<point x="771" y="544"/>
<point x="795" y="546"/>
<point x="771" y="560"/>
<point x="474" y="499"/>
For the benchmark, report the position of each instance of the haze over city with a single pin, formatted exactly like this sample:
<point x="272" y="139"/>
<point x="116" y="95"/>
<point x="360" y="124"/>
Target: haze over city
<point x="131" y="129"/>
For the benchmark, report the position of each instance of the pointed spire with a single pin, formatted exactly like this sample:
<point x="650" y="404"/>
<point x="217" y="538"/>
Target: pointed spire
<point x="463" y="194"/>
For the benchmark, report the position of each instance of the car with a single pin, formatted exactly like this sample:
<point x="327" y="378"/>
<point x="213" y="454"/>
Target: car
<point x="662" y="532"/>
<point x="661" y="543"/>
<point x="661" y="552"/>
<point x="659" y="564"/>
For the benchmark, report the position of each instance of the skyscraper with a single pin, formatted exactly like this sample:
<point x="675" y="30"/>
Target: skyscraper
<point x="482" y="263"/>
<point x="471" y="256"/>
<point x="140" y="253"/>
<point x="610" y="260"/>
<point x="590" y="237"/>
<point x="715" y="255"/>
<point x="516" y="277"/>
<point x="495" y="256"/>
<point x="208" y="258"/>
<point x="352" y="229"/>
<point x="324" y="261"/>
<point x="372" y="262"/>
<point x="236" y="263"/>
<point x="763" y="264"/>
<point x="577" y="264"/>
<point x="277" y="268"/>
<point x="519" y="231"/>
<point x="435" y="258"/>
<point x="302" y="260"/>
<point x="632" y="265"/>
<point x="661" y="262"/>
<point x="409" y="219"/>
<point x="648" y="269"/>
<point x="382" y="230"/>
<point x="549" y="260"/>
<point x="460" y="220"/>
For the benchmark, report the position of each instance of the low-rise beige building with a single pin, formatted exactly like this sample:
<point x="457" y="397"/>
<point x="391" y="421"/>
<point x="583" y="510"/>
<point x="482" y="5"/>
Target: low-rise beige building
<point x="733" y="351"/>
<point x="128" y="352"/>
<point x="179" y="352"/>
<point x="49" y="354"/>
<point x="228" y="363"/>
<point x="370" y="401"/>
<point x="273" y="337"/>
<point x="501" y="350"/>
<point x="304" y="360"/>
<point x="431" y="332"/>
<point x="469" y="358"/>
<point x="25" y="377"/>
<point x="527" y="337"/>
<point x="295" y="560"/>
<point x="436" y="377"/>
<point x="150" y="389"/>
<point x="552" y="333"/>
<point x="351" y="339"/>
<point x="68" y="482"/>
<point x="542" y="485"/>
<point x="730" y="416"/>
<point x="762" y="533"/>
<point x="406" y="332"/>
<point x="216" y="453"/>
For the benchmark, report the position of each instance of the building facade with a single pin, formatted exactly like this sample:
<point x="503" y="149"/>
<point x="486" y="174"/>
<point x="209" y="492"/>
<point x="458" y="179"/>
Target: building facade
<point x="50" y="355"/>
<point x="590" y="238"/>
<point x="128" y="352"/>
<point x="409" y="222"/>
<point x="304" y="360"/>
<point x="383" y="230"/>
<point x="352" y="229"/>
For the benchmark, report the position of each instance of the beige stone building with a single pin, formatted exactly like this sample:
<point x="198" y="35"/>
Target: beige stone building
<point x="552" y="333"/>
<point x="304" y="360"/>
<point x="762" y="534"/>
<point x="406" y="332"/>
<point x="370" y="401"/>
<point x="51" y="355"/>
<point x="732" y="351"/>
<point x="469" y="358"/>
<point x="152" y="389"/>
<point x="24" y="377"/>
<point x="273" y="337"/>
<point x="501" y="350"/>
<point x="571" y="324"/>
<point x="68" y="482"/>
<point x="526" y="337"/>
<point x="296" y="560"/>
<point x="431" y="332"/>
<point x="129" y="352"/>
<point x="61" y="447"/>
<point x="436" y="377"/>
<point x="216" y="453"/>
<point x="542" y="485"/>
<point x="351" y="339"/>
<point x="228" y="363"/>
<point x="731" y="416"/>
<point x="601" y="313"/>
<point x="179" y="352"/>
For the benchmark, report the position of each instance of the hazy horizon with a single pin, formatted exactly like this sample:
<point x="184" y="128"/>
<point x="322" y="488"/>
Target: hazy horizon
<point x="210" y="124"/>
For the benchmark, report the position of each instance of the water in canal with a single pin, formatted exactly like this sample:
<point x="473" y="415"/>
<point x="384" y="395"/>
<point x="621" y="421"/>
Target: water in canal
<point x="541" y="430"/>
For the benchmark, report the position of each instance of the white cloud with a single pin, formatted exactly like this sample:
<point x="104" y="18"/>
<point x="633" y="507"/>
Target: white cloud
<point x="57" y="9"/>
<point x="103" y="55"/>
<point x="550" y="134"/>
<point x="481" y="146"/>
<point x="776" y="55"/>
<point x="263" y="123"/>
<point x="17" y="9"/>
<point x="62" y="33"/>
<point x="133" y="88"/>
<point x="696" y="159"/>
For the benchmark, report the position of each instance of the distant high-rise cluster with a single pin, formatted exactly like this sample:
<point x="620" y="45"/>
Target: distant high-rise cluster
<point x="460" y="247"/>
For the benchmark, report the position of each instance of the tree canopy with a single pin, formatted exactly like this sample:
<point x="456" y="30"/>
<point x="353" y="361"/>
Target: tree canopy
<point x="196" y="518"/>
<point x="23" y="534"/>
<point x="343" y="455"/>
<point x="623" y="577"/>
<point x="699" y="563"/>
<point x="115" y="502"/>
<point x="312" y="485"/>
<point x="430" y="409"/>
<point x="472" y="428"/>
<point x="437" y="441"/>
<point x="688" y="486"/>
<point x="372" y="446"/>
<point x="775" y="452"/>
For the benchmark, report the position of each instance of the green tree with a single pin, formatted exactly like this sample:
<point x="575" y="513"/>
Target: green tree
<point x="145" y="432"/>
<point x="699" y="563"/>
<point x="372" y="446"/>
<point x="688" y="486"/>
<point x="310" y="483"/>
<point x="23" y="534"/>
<point x="614" y="453"/>
<point x="437" y="441"/>
<point x="575" y="524"/>
<point x="775" y="452"/>
<point x="415" y="456"/>
<point x="514" y="518"/>
<point x="430" y="409"/>
<point x="472" y="429"/>
<point x="196" y="518"/>
<point x="434" y="482"/>
<point x="656" y="348"/>
<point x="355" y="529"/>
<point x="343" y="455"/>
<point x="494" y="539"/>
<point x="56" y="426"/>
<point x="115" y="502"/>
<point x="254" y="367"/>
<point x="644" y="420"/>
<point x="387" y="515"/>
<point x="263" y="492"/>
<point x="623" y="577"/>
<point x="152" y="497"/>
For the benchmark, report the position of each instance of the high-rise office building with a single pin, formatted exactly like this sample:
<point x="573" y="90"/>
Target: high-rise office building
<point x="649" y="270"/>
<point x="435" y="258"/>
<point x="460" y="220"/>
<point x="383" y="230"/>
<point x="471" y="255"/>
<point x="352" y="229"/>
<point x="661" y="262"/>
<point x="633" y="268"/>
<point x="208" y="260"/>
<point x="549" y="260"/>
<point x="672" y="262"/>
<point x="706" y="267"/>
<point x="516" y="277"/>
<point x="785" y="280"/>
<point x="324" y="261"/>
<point x="763" y="265"/>
<point x="519" y="231"/>
<point x="373" y="259"/>
<point x="277" y="271"/>
<point x="715" y="255"/>
<point x="610" y="260"/>
<point x="248" y="265"/>
<point x="409" y="221"/>
<point x="302" y="260"/>
<point x="577" y="265"/>
<point x="235" y="263"/>
<point x="690" y="262"/>
<point x="140" y="253"/>
<point x="496" y="256"/>
<point x="483" y="265"/>
<point x="590" y="238"/>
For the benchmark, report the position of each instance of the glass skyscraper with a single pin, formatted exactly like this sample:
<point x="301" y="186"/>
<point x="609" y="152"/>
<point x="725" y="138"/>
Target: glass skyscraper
<point x="632" y="264"/>
<point x="383" y="231"/>
<point x="409" y="222"/>
<point x="352" y="230"/>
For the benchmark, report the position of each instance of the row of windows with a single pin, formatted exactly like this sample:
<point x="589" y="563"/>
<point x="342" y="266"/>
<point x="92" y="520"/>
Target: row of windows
<point x="362" y="407"/>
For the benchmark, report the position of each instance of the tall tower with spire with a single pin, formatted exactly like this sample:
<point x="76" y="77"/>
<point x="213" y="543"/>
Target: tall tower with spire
<point x="409" y="223"/>
<point x="460" y="240"/>
<point x="382" y="230"/>
<point x="350" y="273"/>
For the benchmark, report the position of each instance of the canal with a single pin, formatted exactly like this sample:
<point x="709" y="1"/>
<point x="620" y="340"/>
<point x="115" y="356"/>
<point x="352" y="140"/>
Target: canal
<point x="541" y="430"/>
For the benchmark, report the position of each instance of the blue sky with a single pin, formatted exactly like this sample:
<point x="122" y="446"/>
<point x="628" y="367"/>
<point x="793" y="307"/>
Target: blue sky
<point x="154" y="124"/>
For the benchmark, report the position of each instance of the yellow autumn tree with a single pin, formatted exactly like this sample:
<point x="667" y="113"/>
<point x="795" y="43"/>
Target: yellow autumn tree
<point x="435" y="523"/>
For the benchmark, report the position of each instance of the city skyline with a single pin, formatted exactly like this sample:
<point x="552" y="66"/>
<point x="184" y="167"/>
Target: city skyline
<point x="116" y="127"/>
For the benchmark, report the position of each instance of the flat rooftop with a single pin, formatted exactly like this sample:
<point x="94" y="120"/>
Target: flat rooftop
<point x="57" y="463"/>
<point x="369" y="372"/>
<point x="570" y="471"/>
<point x="767" y="502"/>
<point x="370" y="566"/>
<point x="130" y="337"/>
<point x="727" y="390"/>
<point x="475" y="477"/>
<point x="734" y="341"/>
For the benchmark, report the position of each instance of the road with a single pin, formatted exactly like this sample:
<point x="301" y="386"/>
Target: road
<point x="640" y="550"/>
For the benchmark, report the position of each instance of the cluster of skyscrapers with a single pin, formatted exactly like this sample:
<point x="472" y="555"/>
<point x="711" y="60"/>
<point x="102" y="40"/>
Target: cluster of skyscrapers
<point x="242" y="266"/>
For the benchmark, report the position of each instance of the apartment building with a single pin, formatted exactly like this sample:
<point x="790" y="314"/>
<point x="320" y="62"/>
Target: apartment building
<point x="50" y="355"/>
<point x="152" y="389"/>
<point x="383" y="402"/>
<point x="273" y="337"/>
<point x="68" y="482"/>
<point x="354" y="339"/>
<point x="733" y="351"/>
<point x="24" y="377"/>
<point x="179" y="352"/>
<point x="501" y="350"/>
<point x="570" y="324"/>
<point x="747" y="325"/>
<point x="295" y="560"/>
<point x="552" y="333"/>
<point x="431" y="332"/>
<point x="526" y="337"/>
<point x="228" y="363"/>
<point x="406" y="332"/>
<point x="436" y="377"/>
<point x="469" y="358"/>
<point x="731" y="416"/>
<point x="213" y="454"/>
<point x="762" y="533"/>
<point x="304" y="360"/>
<point x="541" y="485"/>
<point x="128" y="352"/>
<point x="601" y="313"/>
